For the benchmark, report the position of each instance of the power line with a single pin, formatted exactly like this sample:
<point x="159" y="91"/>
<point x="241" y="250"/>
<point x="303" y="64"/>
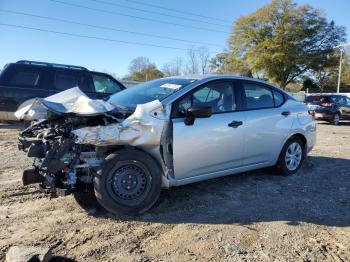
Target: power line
<point x="105" y="28"/>
<point x="155" y="12"/>
<point x="90" y="37"/>
<point x="138" y="17"/>
<point x="178" y="11"/>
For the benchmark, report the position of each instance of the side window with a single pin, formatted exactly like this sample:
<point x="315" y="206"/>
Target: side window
<point x="258" y="96"/>
<point x="348" y="101"/>
<point x="278" y="98"/>
<point x="206" y="94"/>
<point x="104" y="84"/>
<point x="24" y="77"/>
<point x="220" y="96"/>
<point x="65" y="79"/>
<point x="343" y="100"/>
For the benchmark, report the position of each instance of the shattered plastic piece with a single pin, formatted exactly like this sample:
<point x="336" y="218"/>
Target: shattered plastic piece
<point x="72" y="100"/>
<point x="141" y="128"/>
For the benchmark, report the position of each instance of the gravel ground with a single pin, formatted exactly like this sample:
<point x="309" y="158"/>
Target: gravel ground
<point x="255" y="216"/>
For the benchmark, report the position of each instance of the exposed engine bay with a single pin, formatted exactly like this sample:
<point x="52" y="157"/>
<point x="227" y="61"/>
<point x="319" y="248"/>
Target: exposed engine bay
<point x="59" y="163"/>
<point x="74" y="135"/>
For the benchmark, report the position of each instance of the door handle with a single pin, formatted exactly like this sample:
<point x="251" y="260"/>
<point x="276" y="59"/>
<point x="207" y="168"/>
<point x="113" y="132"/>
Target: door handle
<point x="235" y="124"/>
<point x="285" y="113"/>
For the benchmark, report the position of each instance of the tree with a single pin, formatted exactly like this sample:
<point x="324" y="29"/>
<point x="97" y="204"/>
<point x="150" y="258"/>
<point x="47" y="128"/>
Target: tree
<point x="325" y="71"/>
<point x="173" y="68"/>
<point x="141" y="69"/>
<point x="203" y="59"/>
<point x="148" y="73"/>
<point x="138" y="64"/>
<point x="198" y="61"/>
<point x="192" y="66"/>
<point x="283" y="40"/>
<point x="226" y="63"/>
<point x="345" y="77"/>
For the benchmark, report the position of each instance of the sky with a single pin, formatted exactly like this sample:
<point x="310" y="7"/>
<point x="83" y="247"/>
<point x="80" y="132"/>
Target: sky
<point x="117" y="50"/>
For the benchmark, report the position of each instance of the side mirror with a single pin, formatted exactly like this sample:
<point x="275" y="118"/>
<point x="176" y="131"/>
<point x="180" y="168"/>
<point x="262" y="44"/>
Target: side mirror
<point x="197" y="112"/>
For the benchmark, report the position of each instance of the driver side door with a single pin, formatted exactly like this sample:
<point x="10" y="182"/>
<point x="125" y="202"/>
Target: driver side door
<point x="213" y="146"/>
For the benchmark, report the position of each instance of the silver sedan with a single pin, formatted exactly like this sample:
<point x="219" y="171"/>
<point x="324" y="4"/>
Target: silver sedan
<point x="163" y="133"/>
<point x="219" y="125"/>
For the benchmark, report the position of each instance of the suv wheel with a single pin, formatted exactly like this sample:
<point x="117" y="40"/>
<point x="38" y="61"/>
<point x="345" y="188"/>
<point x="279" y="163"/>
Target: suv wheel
<point x="129" y="183"/>
<point x="291" y="157"/>
<point x="336" y="119"/>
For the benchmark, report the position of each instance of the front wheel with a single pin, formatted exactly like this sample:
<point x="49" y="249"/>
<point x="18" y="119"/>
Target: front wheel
<point x="291" y="157"/>
<point x="130" y="182"/>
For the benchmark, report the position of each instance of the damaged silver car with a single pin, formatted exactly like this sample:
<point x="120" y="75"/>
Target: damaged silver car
<point x="163" y="133"/>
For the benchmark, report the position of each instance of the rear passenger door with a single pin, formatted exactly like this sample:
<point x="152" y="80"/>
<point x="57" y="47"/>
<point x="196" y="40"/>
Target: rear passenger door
<point x="267" y="124"/>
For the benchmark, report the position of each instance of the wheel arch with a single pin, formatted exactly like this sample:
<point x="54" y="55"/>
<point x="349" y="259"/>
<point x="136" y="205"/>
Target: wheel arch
<point x="302" y="138"/>
<point x="300" y="135"/>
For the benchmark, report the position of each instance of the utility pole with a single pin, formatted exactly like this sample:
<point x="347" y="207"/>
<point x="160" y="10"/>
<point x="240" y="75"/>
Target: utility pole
<point x="339" y="73"/>
<point x="340" y="63"/>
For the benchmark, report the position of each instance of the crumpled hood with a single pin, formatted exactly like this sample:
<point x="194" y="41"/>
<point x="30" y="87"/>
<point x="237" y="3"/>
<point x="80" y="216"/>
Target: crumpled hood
<point x="70" y="101"/>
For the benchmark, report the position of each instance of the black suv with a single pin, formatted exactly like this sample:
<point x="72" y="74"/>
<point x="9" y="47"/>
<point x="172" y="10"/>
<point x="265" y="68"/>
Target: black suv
<point x="330" y="107"/>
<point x="22" y="81"/>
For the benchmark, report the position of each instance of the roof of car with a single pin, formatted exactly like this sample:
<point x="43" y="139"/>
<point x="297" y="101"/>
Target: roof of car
<point x="325" y="94"/>
<point x="214" y="77"/>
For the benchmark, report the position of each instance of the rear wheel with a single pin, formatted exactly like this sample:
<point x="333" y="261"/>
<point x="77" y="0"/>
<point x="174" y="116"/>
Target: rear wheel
<point x="291" y="157"/>
<point x="336" y="119"/>
<point x="130" y="183"/>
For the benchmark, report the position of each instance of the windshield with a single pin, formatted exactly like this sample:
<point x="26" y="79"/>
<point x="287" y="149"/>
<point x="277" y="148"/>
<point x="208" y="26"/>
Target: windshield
<point x="149" y="91"/>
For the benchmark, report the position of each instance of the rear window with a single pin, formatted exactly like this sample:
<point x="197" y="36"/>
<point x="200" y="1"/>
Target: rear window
<point x="258" y="97"/>
<point x="316" y="99"/>
<point x="278" y="98"/>
<point x="23" y="77"/>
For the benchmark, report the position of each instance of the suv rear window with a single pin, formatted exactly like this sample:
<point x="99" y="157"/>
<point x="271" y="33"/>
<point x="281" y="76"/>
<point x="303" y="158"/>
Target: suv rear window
<point x="316" y="99"/>
<point x="23" y="77"/>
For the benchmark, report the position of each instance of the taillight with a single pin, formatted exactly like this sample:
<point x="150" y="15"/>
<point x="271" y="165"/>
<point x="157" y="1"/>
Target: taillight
<point x="327" y="104"/>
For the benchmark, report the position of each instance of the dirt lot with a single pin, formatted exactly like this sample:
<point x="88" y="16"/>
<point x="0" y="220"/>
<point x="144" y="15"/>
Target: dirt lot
<point x="254" y="216"/>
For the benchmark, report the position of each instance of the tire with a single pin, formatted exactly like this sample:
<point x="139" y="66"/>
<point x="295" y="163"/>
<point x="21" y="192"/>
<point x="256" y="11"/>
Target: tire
<point x="336" y="119"/>
<point x="129" y="184"/>
<point x="282" y="165"/>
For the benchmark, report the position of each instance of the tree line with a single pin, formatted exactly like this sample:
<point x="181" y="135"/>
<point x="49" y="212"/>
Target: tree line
<point x="282" y="42"/>
<point x="196" y="62"/>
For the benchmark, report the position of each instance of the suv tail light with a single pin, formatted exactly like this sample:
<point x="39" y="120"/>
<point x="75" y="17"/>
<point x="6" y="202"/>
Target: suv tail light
<point x="327" y="104"/>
